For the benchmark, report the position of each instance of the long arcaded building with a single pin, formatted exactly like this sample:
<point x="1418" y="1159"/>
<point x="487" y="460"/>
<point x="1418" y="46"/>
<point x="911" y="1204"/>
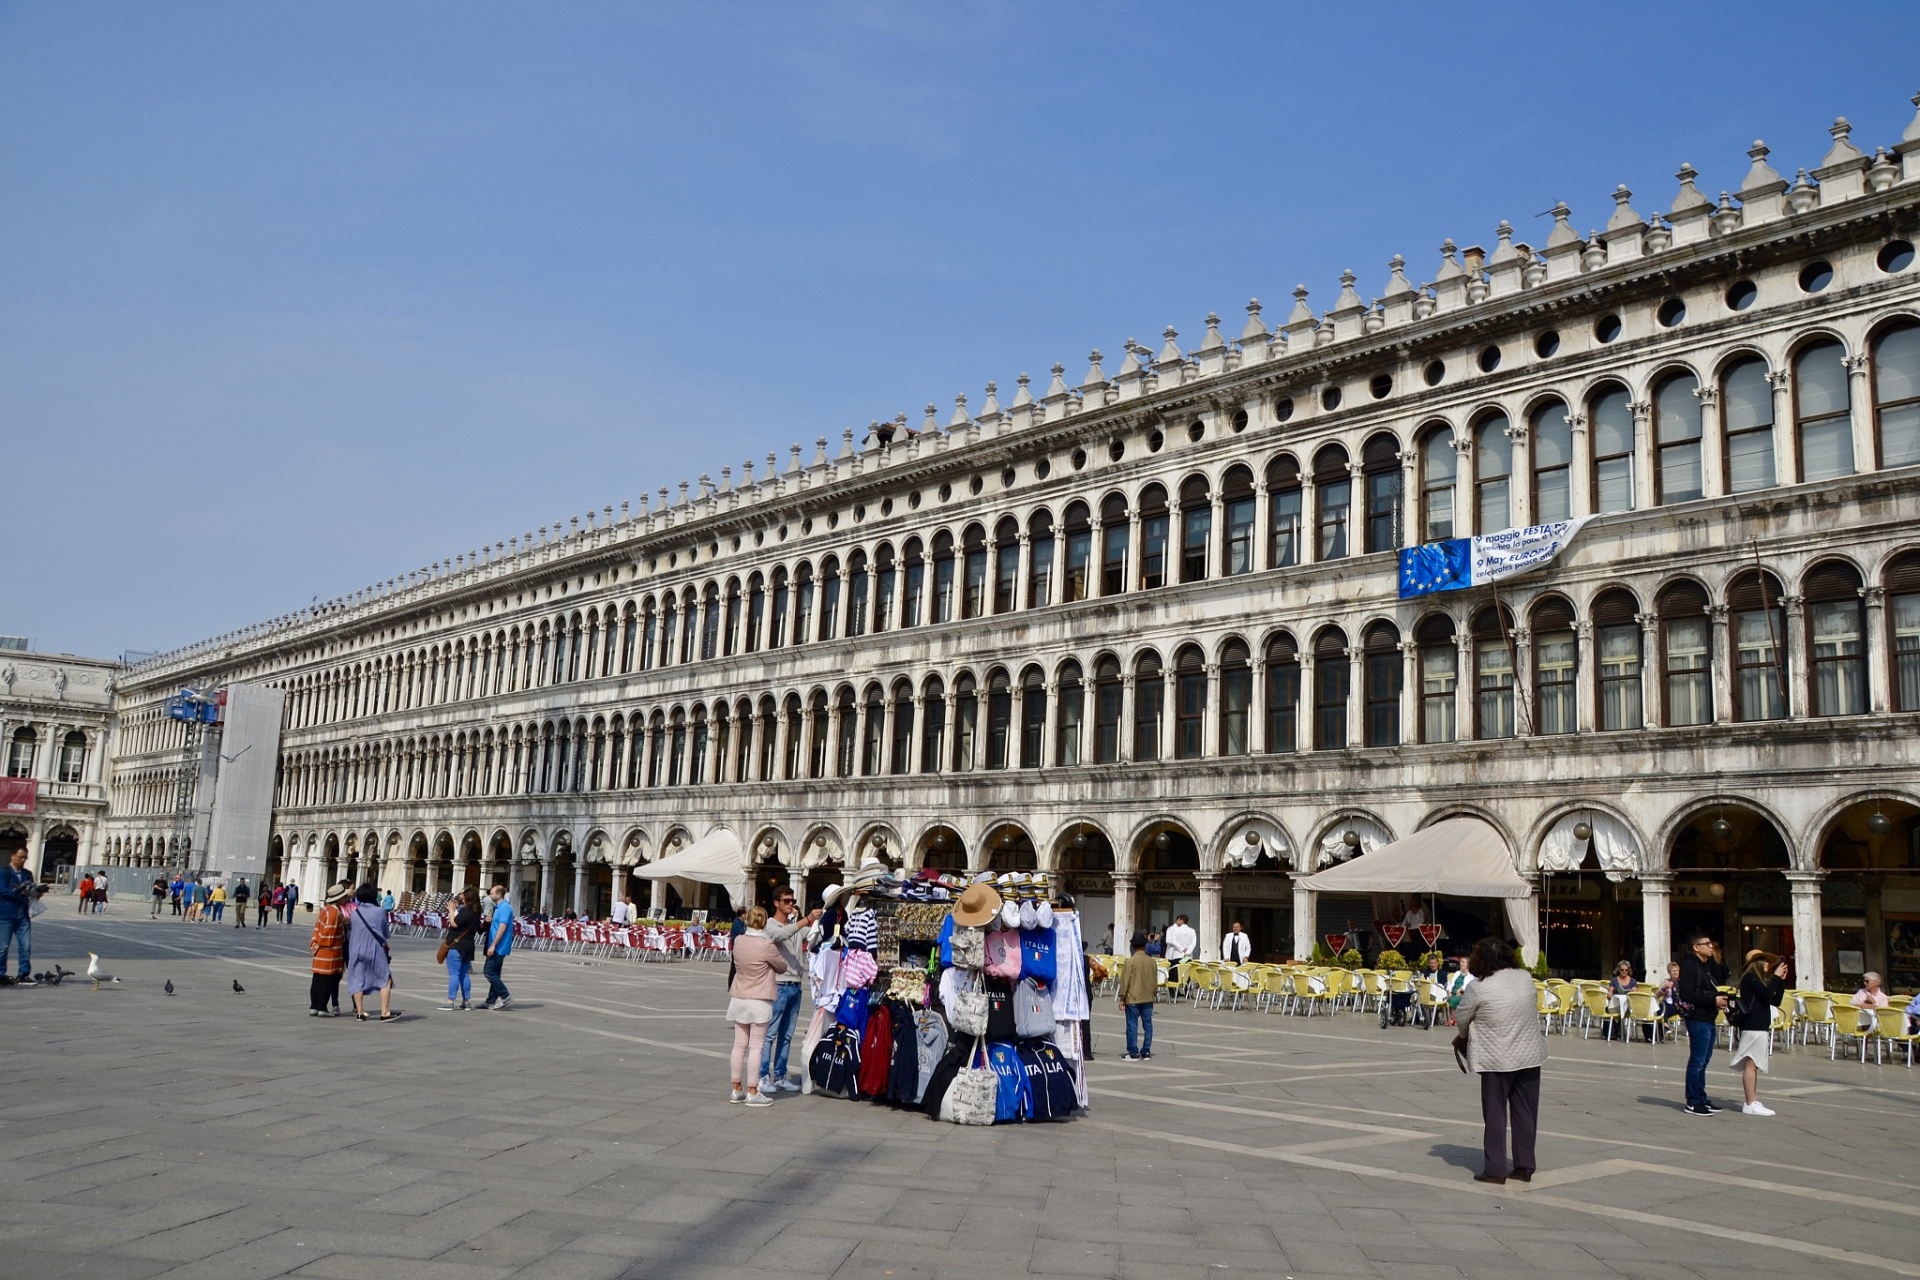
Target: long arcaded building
<point x="1144" y="628"/>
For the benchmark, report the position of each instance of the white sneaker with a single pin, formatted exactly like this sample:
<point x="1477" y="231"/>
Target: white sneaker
<point x="1755" y="1109"/>
<point x="767" y="1086"/>
<point x="738" y="1095"/>
<point x="759" y="1100"/>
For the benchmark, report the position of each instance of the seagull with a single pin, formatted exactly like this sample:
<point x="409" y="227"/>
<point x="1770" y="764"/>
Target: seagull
<point x="94" y="971"/>
<point x="236" y="985"/>
<point x="169" y="986"/>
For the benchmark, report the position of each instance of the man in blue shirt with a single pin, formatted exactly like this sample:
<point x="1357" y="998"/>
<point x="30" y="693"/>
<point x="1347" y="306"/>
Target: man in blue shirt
<point x="175" y="888"/>
<point x="499" y="945"/>
<point x="16" y="912"/>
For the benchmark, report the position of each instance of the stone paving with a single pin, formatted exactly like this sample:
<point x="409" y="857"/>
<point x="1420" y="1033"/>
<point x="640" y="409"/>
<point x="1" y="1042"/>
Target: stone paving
<point x="586" y="1134"/>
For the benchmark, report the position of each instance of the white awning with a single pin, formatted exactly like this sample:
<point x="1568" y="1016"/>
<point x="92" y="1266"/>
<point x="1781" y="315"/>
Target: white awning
<point x="715" y="858"/>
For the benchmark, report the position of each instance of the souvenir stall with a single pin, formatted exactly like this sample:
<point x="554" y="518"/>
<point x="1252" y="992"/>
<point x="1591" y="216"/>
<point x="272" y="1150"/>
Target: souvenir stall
<point x="963" y="996"/>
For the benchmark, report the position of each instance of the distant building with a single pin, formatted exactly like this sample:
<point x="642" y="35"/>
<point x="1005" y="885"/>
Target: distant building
<point x="54" y="713"/>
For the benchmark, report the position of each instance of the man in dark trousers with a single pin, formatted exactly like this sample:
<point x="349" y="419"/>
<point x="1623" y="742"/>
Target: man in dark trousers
<point x="1700" y="1003"/>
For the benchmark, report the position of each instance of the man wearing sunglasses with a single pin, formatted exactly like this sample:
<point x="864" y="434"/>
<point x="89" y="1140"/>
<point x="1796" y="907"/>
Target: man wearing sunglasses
<point x="783" y="926"/>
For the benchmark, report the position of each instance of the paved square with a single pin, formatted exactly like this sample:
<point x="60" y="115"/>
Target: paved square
<point x="585" y="1133"/>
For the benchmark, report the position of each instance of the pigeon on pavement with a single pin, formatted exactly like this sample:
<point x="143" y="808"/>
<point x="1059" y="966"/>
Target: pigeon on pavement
<point x="169" y="986"/>
<point x="236" y="985"/>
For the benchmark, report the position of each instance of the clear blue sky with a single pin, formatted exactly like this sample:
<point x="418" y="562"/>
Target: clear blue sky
<point x="294" y="297"/>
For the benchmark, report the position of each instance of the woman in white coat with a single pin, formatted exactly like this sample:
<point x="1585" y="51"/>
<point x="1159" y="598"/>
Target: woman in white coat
<point x="1499" y="1025"/>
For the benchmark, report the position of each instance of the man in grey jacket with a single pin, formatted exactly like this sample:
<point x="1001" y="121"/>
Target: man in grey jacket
<point x="783" y="926"/>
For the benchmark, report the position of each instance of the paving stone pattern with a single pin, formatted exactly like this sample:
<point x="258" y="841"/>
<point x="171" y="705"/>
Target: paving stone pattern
<point x="585" y="1134"/>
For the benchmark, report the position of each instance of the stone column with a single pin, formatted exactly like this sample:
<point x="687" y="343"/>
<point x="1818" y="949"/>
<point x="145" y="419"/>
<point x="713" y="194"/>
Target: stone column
<point x="1651" y="672"/>
<point x="1879" y="661"/>
<point x="514" y="881"/>
<point x="1656" y="922"/>
<point x="1713" y="444"/>
<point x="1720" y="663"/>
<point x="1262" y="525"/>
<point x="1022" y="571"/>
<point x="782" y="731"/>
<point x="1526" y="709"/>
<point x="1124" y="738"/>
<point x="1520" y="475"/>
<point x="1410" y="515"/>
<point x="1169" y="693"/>
<point x="1123" y="882"/>
<point x="1305" y="920"/>
<point x="916" y="741"/>
<point x="797" y="882"/>
<point x="1210" y="926"/>
<point x="836" y="736"/>
<point x="546" y="885"/>
<point x="656" y="895"/>
<point x="1464" y="515"/>
<point x="1587" y="673"/>
<point x="1809" y="971"/>
<point x="1210" y="722"/>
<point x="1642" y="454"/>
<point x="1860" y="405"/>
<point x="1049" y="722"/>
<point x="1096" y="566"/>
<point x="1309" y="533"/>
<point x="1357" y="696"/>
<point x="1580" y="496"/>
<point x="1786" y="457"/>
<point x="580" y="884"/>
<point x="1794" y="607"/>
<point x="1304" y="719"/>
<point x="1257" y="713"/>
<point x="1410" y="691"/>
<point x="1466" y="684"/>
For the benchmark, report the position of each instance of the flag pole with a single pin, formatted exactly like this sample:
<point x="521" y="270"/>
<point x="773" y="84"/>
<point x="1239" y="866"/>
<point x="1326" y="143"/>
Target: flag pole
<point x="1779" y="650"/>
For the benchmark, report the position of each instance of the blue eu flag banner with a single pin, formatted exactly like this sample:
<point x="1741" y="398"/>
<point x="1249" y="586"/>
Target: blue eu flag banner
<point x="1436" y="566"/>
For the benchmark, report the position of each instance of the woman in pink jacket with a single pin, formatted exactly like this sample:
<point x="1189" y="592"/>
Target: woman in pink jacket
<point x="755" y="960"/>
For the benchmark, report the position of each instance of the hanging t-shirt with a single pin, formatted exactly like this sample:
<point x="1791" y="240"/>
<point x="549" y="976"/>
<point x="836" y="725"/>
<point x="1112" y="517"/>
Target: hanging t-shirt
<point x="863" y="930"/>
<point x="1070" y="1000"/>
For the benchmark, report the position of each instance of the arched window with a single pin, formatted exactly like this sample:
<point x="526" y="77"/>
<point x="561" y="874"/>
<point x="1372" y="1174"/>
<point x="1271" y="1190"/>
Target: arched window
<point x="20" y="753"/>
<point x="802" y="603"/>
<point x="1113" y="545"/>
<point x="883" y="589"/>
<point x="1383" y="685"/>
<point x="733" y="617"/>
<point x="1492" y="475"/>
<point x="697" y="767"/>
<point x="677" y="752"/>
<point x="857" y="594"/>
<point x="1381" y="463"/>
<point x="1836" y="639"/>
<point x="1332" y="686"/>
<point x="1006" y="564"/>
<point x="999" y="718"/>
<point x="846" y="719"/>
<point x="1333" y="489"/>
<point x="966" y="723"/>
<point x="1822" y="412"/>
<point x="769" y="740"/>
<point x="1070" y="718"/>
<point x="1896" y="395"/>
<point x="1686" y="648"/>
<point x="829" y="597"/>
<point x="1237" y="499"/>
<point x="756" y="612"/>
<point x="933" y="729"/>
<point x="1196" y="528"/>
<point x="1236" y="698"/>
<point x="943" y="584"/>
<point x="1902" y="583"/>
<point x="1676" y="434"/>
<point x="1076" y="579"/>
<point x="873" y="740"/>
<point x="1040" y="559"/>
<point x="1439" y="463"/>
<point x="1154" y="522"/>
<point x="1439" y="677"/>
<point x="1551" y="435"/>
<point x="1149" y="694"/>
<point x="1610" y="419"/>
<point x="1617" y="634"/>
<point x="777" y="626"/>
<point x="1108" y="704"/>
<point x="1033" y="717"/>
<point x="900" y="748"/>
<point x="1284" y="518"/>
<point x="73" y="757"/>
<point x="973" y="602"/>
<point x="1556" y="667"/>
<point x="573" y="651"/>
<point x="819" y="733"/>
<point x="1493" y="674"/>
<point x="1746" y="415"/>
<point x="1190" y="704"/>
<point x="710" y="623"/>
<point x="913" y="572"/>
<point x="1759" y="647"/>
<point x="796" y="735"/>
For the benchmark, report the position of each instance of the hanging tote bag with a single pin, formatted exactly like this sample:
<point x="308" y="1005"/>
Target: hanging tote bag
<point x="968" y="1013"/>
<point x="974" y="1095"/>
<point x="969" y="948"/>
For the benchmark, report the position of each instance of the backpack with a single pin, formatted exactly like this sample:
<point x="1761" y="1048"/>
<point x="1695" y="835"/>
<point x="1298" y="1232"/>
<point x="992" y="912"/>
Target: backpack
<point x="1037" y="956"/>
<point x="1050" y="1089"/>
<point x="1000" y="1010"/>
<point x="835" y="1066"/>
<point x="1003" y="955"/>
<point x="1010" y="1103"/>
<point x="1032" y="1010"/>
<point x="876" y="1052"/>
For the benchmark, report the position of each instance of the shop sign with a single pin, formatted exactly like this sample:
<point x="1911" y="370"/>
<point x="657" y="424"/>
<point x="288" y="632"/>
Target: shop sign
<point x="1181" y="886"/>
<point x="1256" y="889"/>
<point x="1088" y="881"/>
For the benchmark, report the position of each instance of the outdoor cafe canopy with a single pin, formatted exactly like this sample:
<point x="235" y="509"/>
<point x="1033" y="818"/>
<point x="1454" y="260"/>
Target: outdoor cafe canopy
<point x="1458" y="857"/>
<point x="715" y="858"/>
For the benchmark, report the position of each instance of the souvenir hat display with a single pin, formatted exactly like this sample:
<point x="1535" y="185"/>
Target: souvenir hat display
<point x="958" y="995"/>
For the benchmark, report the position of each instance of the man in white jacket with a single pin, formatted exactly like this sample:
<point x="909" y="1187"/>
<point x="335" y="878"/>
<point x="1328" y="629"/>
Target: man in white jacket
<point x="1181" y="941"/>
<point x="1236" y="947"/>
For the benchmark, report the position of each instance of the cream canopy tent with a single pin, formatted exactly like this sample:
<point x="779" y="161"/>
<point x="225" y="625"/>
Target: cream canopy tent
<point x="1460" y="857"/>
<point x="715" y="858"/>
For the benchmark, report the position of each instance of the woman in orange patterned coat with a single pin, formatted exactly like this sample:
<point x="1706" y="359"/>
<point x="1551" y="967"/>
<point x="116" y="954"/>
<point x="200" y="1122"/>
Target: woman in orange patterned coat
<point x="329" y="955"/>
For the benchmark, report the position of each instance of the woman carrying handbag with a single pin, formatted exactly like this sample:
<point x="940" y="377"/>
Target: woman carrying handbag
<point x="369" y="967"/>
<point x="456" y="951"/>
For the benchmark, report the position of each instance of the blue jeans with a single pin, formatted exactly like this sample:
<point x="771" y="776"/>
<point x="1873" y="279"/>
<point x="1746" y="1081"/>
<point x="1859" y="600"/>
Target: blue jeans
<point x="786" y="1008"/>
<point x="496" y="989"/>
<point x="20" y="931"/>
<point x="459" y="977"/>
<point x="1139" y="1017"/>
<point x="218" y="907"/>
<point x="1700" y="1037"/>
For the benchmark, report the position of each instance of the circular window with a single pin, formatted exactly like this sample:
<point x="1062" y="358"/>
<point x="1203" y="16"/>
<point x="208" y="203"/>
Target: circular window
<point x="736" y="542"/>
<point x="1043" y="468"/>
<point x="1330" y="399"/>
<point x="1741" y="293"/>
<point x="1079" y="459"/>
<point x="859" y="512"/>
<point x="913" y="500"/>
<point x="673" y="558"/>
<point x="833" y="519"/>
<point x="1816" y="276"/>
<point x="1381" y="386"/>
<point x="973" y="486"/>
<point x="1547" y="343"/>
<point x="1154" y="441"/>
<point x="1196" y="429"/>
<point x="1435" y="370"/>
<point x="1489" y="359"/>
<point x="781" y="533"/>
<point x="759" y="540"/>
<point x="1006" y="478"/>
<point x="1239" y="421"/>
<point x="806" y="526"/>
<point x="1671" y="313"/>
<point x="1116" y="448"/>
<point x="713" y="549"/>
<point x="1607" y="328"/>
<point x="886" y="506"/>
<point x="1283" y="408"/>
<point x="1897" y="255"/>
<point x="946" y="491"/>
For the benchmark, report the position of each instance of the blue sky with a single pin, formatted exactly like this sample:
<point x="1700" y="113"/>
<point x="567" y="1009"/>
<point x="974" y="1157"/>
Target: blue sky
<point x="298" y="297"/>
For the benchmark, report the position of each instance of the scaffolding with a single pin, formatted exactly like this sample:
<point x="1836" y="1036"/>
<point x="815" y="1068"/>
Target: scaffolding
<point x="198" y="712"/>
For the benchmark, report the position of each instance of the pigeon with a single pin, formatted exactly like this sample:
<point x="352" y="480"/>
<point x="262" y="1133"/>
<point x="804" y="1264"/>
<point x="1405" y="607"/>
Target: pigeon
<point x="95" y="972"/>
<point x="169" y="986"/>
<point x="61" y="971"/>
<point x="237" y="987"/>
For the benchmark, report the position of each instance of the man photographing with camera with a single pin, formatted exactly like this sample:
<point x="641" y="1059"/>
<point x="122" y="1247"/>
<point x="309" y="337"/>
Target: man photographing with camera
<point x="1700" y="1003"/>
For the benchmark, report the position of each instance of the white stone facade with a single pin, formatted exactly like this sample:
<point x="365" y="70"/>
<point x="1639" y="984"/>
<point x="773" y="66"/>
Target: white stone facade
<point x="55" y="710"/>
<point x="1120" y="626"/>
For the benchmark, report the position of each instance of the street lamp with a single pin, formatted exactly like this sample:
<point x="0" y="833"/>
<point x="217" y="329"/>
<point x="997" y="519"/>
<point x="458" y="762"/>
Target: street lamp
<point x="1879" y="823"/>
